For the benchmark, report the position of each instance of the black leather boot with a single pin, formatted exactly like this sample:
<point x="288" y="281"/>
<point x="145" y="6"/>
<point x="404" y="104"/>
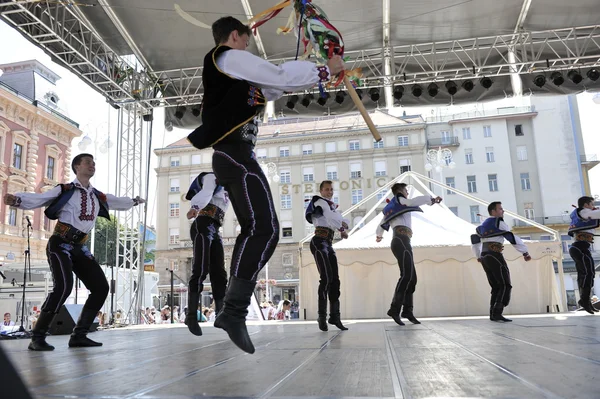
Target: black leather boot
<point x="233" y="317"/>
<point x="394" y="313"/>
<point x="497" y="315"/>
<point x="407" y="313"/>
<point x="584" y="299"/>
<point x="38" y="338"/>
<point x="218" y="306"/>
<point x="191" y="318"/>
<point x="334" y="315"/>
<point x="322" y="312"/>
<point x="79" y="337"/>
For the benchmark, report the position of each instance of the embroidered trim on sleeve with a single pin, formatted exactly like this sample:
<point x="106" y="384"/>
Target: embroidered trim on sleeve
<point x="323" y="73"/>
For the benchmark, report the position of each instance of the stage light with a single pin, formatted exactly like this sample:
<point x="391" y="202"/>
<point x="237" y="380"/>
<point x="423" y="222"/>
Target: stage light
<point x="339" y="97"/>
<point x="416" y="91"/>
<point x="557" y="78"/>
<point x="398" y="92"/>
<point x="575" y="76"/>
<point x="359" y="93"/>
<point x="307" y="100"/>
<point x="539" y="80"/>
<point x="486" y="82"/>
<point x="468" y="85"/>
<point x="593" y="74"/>
<point x="374" y="94"/>
<point x="323" y="99"/>
<point x="147" y="117"/>
<point x="291" y="102"/>
<point x="451" y="87"/>
<point x="179" y="111"/>
<point x="196" y="110"/>
<point x="432" y="90"/>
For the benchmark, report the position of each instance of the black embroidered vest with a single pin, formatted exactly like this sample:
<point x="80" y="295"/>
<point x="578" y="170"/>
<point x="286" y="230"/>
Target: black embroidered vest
<point x="66" y="193"/>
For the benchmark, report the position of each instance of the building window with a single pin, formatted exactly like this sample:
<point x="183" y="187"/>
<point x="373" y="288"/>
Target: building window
<point x="519" y="130"/>
<point x="354" y="145"/>
<point x="357" y="196"/>
<point x="308" y="174"/>
<point x="565" y="242"/>
<point x="174" y="185"/>
<point x="522" y="153"/>
<point x="404" y="165"/>
<point x="307" y="149"/>
<point x="355" y="171"/>
<point x="446" y="138"/>
<point x="284" y="151"/>
<point x="474" y="210"/>
<point x="330" y="147"/>
<point x="17" y="156"/>
<point x="286" y="232"/>
<point x="173" y="236"/>
<point x="487" y="131"/>
<point x="175" y="161"/>
<point x="468" y="156"/>
<point x="50" y="168"/>
<point x="381" y="194"/>
<point x="471" y="184"/>
<point x="196" y="159"/>
<point x="307" y="198"/>
<point x="454" y="210"/>
<point x="525" y="183"/>
<point x="332" y="172"/>
<point x="493" y="182"/>
<point x="285" y="176"/>
<point x="530" y="214"/>
<point x="451" y="182"/>
<point x="403" y="141"/>
<point x="286" y="201"/>
<point x="489" y="154"/>
<point x="261" y="153"/>
<point x="466" y="133"/>
<point x="378" y="144"/>
<point x="174" y="210"/>
<point x="380" y="168"/>
<point x="336" y="199"/>
<point x="12" y="216"/>
<point x="287" y="259"/>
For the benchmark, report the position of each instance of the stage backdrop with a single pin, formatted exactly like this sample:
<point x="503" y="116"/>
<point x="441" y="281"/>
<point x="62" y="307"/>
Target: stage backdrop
<point x="450" y="280"/>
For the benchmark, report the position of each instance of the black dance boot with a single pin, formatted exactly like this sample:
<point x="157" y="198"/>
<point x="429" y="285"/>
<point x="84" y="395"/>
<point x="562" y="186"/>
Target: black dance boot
<point x="394" y="313"/>
<point x="497" y="315"/>
<point x="218" y="306"/>
<point x="233" y="317"/>
<point x="407" y="313"/>
<point x="191" y="318"/>
<point x="334" y="315"/>
<point x="584" y="299"/>
<point x="322" y="319"/>
<point x="38" y="334"/>
<point x="79" y="337"/>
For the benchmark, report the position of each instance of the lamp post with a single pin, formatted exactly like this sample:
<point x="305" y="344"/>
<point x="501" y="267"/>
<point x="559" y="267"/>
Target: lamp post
<point x="272" y="175"/>
<point x="438" y="160"/>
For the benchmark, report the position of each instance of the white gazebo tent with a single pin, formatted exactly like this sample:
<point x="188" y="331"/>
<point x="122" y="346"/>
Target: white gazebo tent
<point x="450" y="280"/>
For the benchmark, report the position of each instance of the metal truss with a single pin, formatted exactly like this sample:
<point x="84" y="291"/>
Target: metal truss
<point x="129" y="184"/>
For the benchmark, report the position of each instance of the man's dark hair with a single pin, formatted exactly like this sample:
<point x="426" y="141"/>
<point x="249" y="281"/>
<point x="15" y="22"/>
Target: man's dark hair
<point x="324" y="183"/>
<point x="286" y="302"/>
<point x="492" y="206"/>
<point x="397" y="188"/>
<point x="584" y="200"/>
<point x="77" y="160"/>
<point x="223" y="27"/>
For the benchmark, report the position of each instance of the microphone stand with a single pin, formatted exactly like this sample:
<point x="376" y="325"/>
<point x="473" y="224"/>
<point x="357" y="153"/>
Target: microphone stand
<point x="27" y="263"/>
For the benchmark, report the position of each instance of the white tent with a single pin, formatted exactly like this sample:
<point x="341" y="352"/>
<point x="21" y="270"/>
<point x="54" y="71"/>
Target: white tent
<point x="450" y="280"/>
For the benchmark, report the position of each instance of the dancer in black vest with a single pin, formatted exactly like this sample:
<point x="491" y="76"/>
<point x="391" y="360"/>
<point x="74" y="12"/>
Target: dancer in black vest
<point x="488" y="247"/>
<point x="397" y="215"/>
<point x="76" y="206"/>
<point x="584" y="222"/>
<point x="209" y="203"/>
<point x="324" y="215"/>
<point x="237" y="86"/>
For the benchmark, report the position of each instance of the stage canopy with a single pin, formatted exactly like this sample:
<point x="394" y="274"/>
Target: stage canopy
<point x="416" y="41"/>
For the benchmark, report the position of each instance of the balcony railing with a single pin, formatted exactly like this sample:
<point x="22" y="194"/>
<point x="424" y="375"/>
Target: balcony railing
<point x="588" y="158"/>
<point x="480" y="114"/>
<point x="443" y="142"/>
<point x="546" y="221"/>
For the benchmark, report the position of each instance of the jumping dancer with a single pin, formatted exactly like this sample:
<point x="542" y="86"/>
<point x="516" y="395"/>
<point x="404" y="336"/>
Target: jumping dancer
<point x="209" y="203"/>
<point x="584" y="222"/>
<point x="322" y="212"/>
<point x="237" y="86"/>
<point x="76" y="206"/>
<point x="396" y="215"/>
<point x="488" y="247"/>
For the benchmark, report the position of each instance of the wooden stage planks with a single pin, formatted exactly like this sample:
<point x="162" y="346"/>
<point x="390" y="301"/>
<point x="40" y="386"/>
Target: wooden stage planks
<point x="545" y="356"/>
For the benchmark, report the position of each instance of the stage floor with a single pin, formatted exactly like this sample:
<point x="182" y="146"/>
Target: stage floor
<point x="546" y="356"/>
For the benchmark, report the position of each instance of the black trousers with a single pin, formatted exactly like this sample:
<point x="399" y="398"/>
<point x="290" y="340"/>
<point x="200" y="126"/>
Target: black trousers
<point x="405" y="288"/>
<point x="326" y="260"/>
<point x="208" y="257"/>
<point x="498" y="276"/>
<point x="584" y="263"/>
<point x="240" y="174"/>
<point x="65" y="259"/>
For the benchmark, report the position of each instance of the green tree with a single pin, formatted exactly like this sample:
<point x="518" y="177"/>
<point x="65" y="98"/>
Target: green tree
<point x="105" y="244"/>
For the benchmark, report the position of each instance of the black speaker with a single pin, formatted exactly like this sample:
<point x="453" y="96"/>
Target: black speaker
<point x="65" y="320"/>
<point x="10" y="381"/>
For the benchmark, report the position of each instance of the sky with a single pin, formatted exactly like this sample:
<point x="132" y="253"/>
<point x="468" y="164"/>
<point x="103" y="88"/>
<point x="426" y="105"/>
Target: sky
<point x="98" y="120"/>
